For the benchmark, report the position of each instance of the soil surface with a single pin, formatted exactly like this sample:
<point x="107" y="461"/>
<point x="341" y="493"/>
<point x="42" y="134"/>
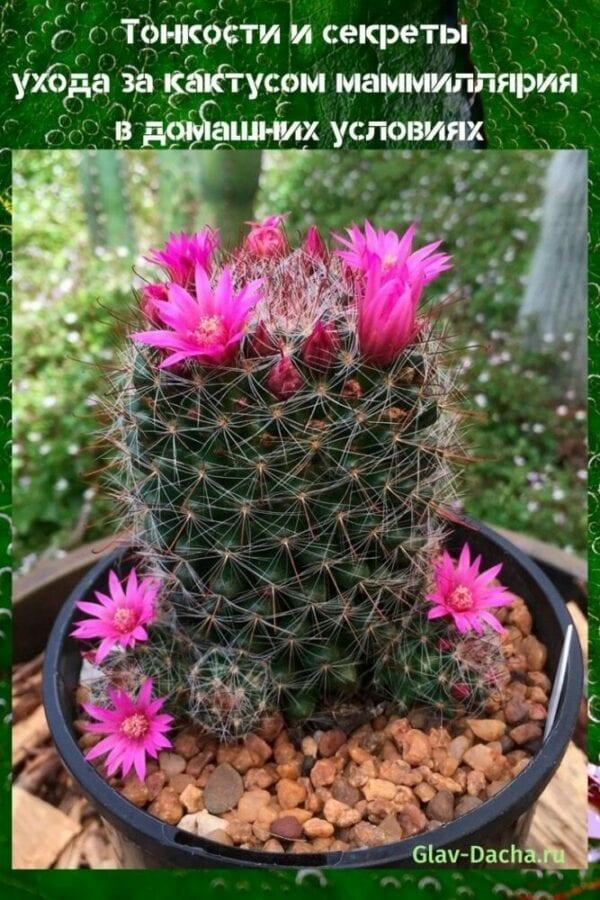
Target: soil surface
<point x="392" y="778"/>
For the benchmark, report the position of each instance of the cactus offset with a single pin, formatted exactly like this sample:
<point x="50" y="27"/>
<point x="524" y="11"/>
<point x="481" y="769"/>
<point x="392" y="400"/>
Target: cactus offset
<point x="288" y="488"/>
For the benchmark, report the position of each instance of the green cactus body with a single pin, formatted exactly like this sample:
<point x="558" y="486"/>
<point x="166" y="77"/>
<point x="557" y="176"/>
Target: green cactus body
<point x="294" y="535"/>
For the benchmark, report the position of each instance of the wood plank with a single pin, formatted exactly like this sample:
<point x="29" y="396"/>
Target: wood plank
<point x="560" y="818"/>
<point x="581" y="627"/>
<point x="29" y="733"/>
<point x="40" y="832"/>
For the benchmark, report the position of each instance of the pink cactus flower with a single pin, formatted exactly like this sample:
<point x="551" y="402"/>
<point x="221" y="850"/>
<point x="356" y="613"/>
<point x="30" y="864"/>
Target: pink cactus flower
<point x="284" y="379"/>
<point x="466" y="594"/>
<point x="209" y="326"/>
<point x="119" y="618"/>
<point x="183" y="252"/>
<point x="134" y="729"/>
<point x="387" y="314"/>
<point x="394" y="252"/>
<point x="150" y="294"/>
<point x="262" y="342"/>
<point x="320" y="346"/>
<point x="314" y="245"/>
<point x="266" y="238"/>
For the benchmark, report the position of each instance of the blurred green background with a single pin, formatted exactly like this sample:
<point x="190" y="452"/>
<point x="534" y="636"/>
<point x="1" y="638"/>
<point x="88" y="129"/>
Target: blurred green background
<point x="84" y="220"/>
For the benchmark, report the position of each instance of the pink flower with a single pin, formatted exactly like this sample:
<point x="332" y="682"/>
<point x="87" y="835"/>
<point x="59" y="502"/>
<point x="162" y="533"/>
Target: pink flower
<point x="209" y="325"/>
<point x="466" y="594"/>
<point x="387" y="314"/>
<point x="120" y="617"/>
<point x="183" y="252"/>
<point x="284" y="379"/>
<point x="320" y="346"/>
<point x="133" y="728"/>
<point x="314" y="245"/>
<point x="266" y="238"/>
<point x="394" y="253"/>
<point x="150" y="294"/>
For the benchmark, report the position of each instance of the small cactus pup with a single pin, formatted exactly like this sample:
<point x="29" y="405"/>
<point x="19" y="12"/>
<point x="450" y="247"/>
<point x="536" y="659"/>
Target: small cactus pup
<point x="284" y="432"/>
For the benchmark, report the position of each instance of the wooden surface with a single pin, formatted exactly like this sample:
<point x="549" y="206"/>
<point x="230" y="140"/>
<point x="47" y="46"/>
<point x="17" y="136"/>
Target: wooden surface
<point x="560" y="817"/>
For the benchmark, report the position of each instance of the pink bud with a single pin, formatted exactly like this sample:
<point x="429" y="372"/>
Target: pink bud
<point x="444" y="645"/>
<point x="460" y="690"/>
<point x="150" y="294"/>
<point x="284" y="379"/>
<point x="314" y="245"/>
<point x="261" y="343"/>
<point x="320" y="346"/>
<point x="266" y="239"/>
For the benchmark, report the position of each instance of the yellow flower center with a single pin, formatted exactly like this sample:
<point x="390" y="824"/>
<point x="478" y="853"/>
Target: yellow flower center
<point x="124" y="619"/>
<point x="460" y="599"/>
<point x="135" y="726"/>
<point x="389" y="260"/>
<point x="211" y="330"/>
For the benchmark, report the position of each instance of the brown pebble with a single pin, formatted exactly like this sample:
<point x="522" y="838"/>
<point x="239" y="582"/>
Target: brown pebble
<point x="273" y="846"/>
<point x="535" y="653"/>
<point x="259" y="778"/>
<point x="186" y="744"/>
<point x="180" y="782"/>
<point x="482" y="757"/>
<point x="197" y="763"/>
<point x="516" y="710"/>
<point x="391" y="827"/>
<point x="290" y="793"/>
<point x="323" y="773"/>
<point x="287" y="828"/>
<point x="250" y="804"/>
<point x="412" y="820"/>
<point x="171" y="763"/>
<point x="522" y="734"/>
<point x="221" y="837"/>
<point x="223" y="789"/>
<point x="378" y="789"/>
<point x="341" y="815"/>
<point x="487" y="729"/>
<point x="465" y="805"/>
<point x="367" y="835"/>
<point x="259" y="748"/>
<point x="416" y="749"/>
<point x="167" y="807"/>
<point x="191" y="798"/>
<point x="134" y="790"/>
<point x="318" y="828"/>
<point x="331" y="741"/>
<point x="441" y="807"/>
<point x="155" y="783"/>
<point x="343" y="791"/>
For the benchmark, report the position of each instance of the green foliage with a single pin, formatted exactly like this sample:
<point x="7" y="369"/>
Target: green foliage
<point x="78" y="218"/>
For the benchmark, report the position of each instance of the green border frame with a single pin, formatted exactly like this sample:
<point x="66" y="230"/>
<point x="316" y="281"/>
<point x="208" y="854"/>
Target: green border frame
<point x="536" y="35"/>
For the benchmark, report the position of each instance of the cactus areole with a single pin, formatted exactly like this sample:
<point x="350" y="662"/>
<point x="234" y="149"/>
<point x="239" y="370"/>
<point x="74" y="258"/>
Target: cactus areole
<point x="284" y="430"/>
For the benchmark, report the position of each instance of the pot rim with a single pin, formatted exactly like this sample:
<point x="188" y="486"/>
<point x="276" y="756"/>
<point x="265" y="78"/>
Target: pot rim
<point x="140" y="826"/>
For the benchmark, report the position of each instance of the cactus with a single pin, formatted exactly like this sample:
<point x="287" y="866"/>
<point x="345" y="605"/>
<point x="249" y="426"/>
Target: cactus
<point x="289" y="486"/>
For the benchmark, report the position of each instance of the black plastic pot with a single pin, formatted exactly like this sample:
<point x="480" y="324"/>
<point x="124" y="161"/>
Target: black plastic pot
<point x="144" y="842"/>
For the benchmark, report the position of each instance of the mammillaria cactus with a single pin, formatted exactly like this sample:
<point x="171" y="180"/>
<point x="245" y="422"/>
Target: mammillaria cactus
<point x="285" y="434"/>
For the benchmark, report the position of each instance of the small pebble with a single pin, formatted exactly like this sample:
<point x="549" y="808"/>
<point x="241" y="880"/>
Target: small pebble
<point x="223" y="789"/>
<point x="287" y="828"/>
